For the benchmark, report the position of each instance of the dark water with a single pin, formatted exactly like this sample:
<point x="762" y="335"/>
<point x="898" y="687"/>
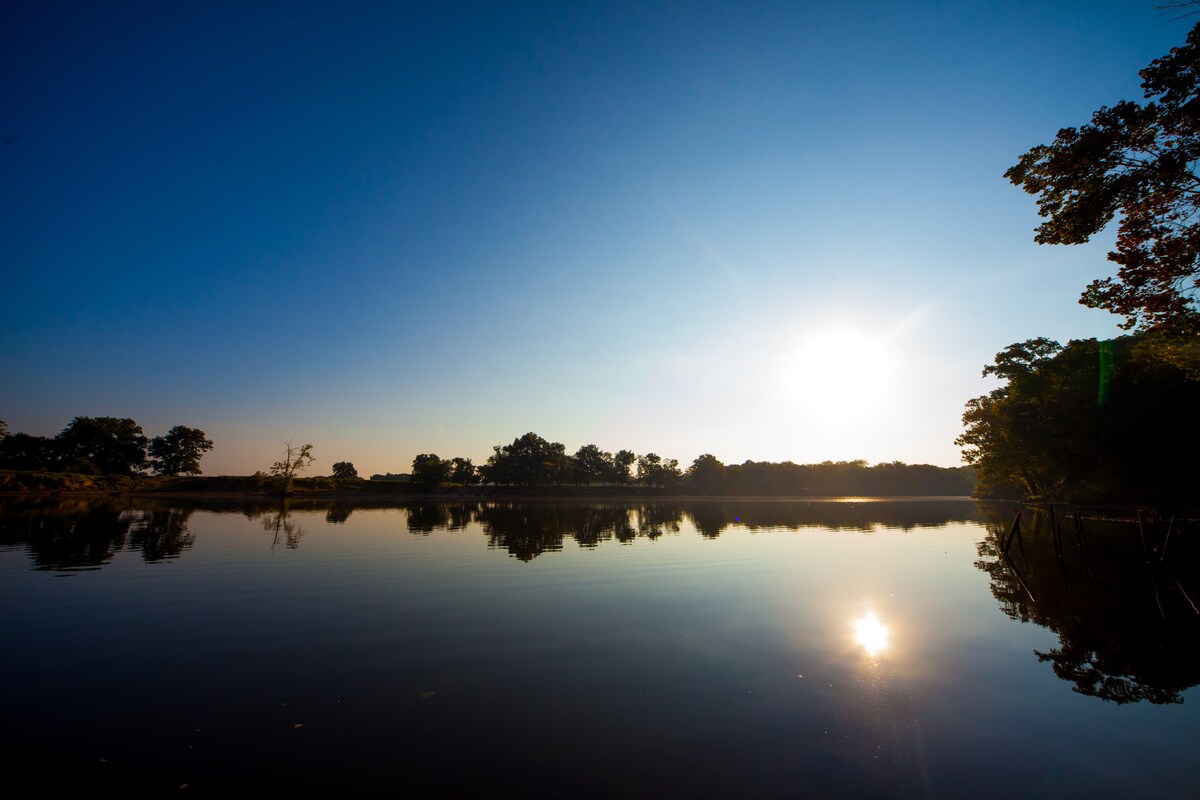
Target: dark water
<point x="595" y="650"/>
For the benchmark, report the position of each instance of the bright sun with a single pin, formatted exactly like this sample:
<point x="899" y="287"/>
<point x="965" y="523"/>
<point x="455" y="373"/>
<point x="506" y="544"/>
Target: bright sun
<point x="839" y="373"/>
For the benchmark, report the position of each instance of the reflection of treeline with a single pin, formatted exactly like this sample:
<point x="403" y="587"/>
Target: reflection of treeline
<point x="87" y="535"/>
<point x="78" y="533"/>
<point x="1125" y="622"/>
<point x="711" y="518"/>
<point x="526" y="530"/>
<point x="74" y="533"/>
<point x="837" y="478"/>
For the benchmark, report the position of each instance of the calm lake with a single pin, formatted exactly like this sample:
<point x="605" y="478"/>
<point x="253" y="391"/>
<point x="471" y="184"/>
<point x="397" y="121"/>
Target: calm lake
<point x="848" y="648"/>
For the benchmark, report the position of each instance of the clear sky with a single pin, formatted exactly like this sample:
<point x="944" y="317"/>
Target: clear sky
<point x="769" y="231"/>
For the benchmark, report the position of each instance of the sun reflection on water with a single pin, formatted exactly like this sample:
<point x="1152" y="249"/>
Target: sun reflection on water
<point x="871" y="634"/>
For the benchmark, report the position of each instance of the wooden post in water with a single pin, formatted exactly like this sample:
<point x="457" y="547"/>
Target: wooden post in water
<point x="1081" y="544"/>
<point x="1021" y="578"/>
<point x="1055" y="535"/>
<point x="1182" y="591"/>
<point x="1149" y="570"/>
<point x="1167" y="540"/>
<point x="1142" y="532"/>
<point x="1013" y="532"/>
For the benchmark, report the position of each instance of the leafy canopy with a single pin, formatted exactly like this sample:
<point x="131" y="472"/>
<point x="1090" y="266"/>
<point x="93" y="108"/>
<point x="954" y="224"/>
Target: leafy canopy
<point x="102" y="445"/>
<point x="430" y="471"/>
<point x="1105" y="421"/>
<point x="344" y="469"/>
<point x="1138" y="162"/>
<point x="179" y="451"/>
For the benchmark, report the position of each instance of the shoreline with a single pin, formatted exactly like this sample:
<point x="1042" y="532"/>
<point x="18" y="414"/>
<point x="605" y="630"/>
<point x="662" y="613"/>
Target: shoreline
<point x="501" y="495"/>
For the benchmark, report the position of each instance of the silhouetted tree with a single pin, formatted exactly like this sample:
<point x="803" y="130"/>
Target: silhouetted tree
<point x="1138" y="163"/>
<point x="1092" y="421"/>
<point x="560" y="469"/>
<point x="706" y="475"/>
<point x="463" y="472"/>
<point x="623" y="463"/>
<point x="24" y="452"/>
<point x="179" y="452"/>
<point x="590" y="464"/>
<point x="653" y="470"/>
<point x="529" y="461"/>
<point x="344" y="469"/>
<point x="296" y="459"/>
<point x="103" y="445"/>
<point x="430" y="471"/>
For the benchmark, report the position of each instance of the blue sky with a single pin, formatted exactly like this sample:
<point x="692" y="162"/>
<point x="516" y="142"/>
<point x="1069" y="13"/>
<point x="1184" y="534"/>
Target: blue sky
<point x="767" y="231"/>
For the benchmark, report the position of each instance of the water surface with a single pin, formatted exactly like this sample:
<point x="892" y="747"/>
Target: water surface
<point x="760" y="649"/>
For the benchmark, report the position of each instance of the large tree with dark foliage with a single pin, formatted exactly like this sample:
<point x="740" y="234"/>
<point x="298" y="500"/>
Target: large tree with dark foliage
<point x="706" y="475"/>
<point x="590" y="464"/>
<point x="22" y="451"/>
<point x="463" y="472"/>
<point x="529" y="461"/>
<point x="344" y="470"/>
<point x="1107" y="421"/>
<point x="103" y="445"/>
<point x="430" y="471"/>
<point x="1139" y="163"/>
<point x="654" y="470"/>
<point x="179" y="451"/>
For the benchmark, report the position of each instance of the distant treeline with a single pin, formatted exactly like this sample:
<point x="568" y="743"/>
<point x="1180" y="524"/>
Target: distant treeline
<point x="391" y="476"/>
<point x="534" y="463"/>
<point x="837" y="478"/>
<point x="110" y="446"/>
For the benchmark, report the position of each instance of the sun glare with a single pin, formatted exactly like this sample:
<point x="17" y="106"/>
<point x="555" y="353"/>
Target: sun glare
<point x="839" y="373"/>
<point x="871" y="634"/>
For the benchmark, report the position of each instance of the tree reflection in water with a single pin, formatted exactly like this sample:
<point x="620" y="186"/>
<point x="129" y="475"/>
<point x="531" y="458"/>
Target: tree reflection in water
<point x="527" y="530"/>
<point x="338" y="513"/>
<point x="1125" y="623"/>
<point x="162" y="534"/>
<point x="85" y="534"/>
<point x="283" y="529"/>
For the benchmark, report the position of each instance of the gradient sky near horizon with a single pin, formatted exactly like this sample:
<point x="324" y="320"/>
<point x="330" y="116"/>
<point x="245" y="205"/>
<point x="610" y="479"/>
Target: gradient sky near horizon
<point x="769" y="231"/>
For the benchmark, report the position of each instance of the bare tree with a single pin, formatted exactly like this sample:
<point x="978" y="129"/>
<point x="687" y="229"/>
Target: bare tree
<point x="296" y="459"/>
